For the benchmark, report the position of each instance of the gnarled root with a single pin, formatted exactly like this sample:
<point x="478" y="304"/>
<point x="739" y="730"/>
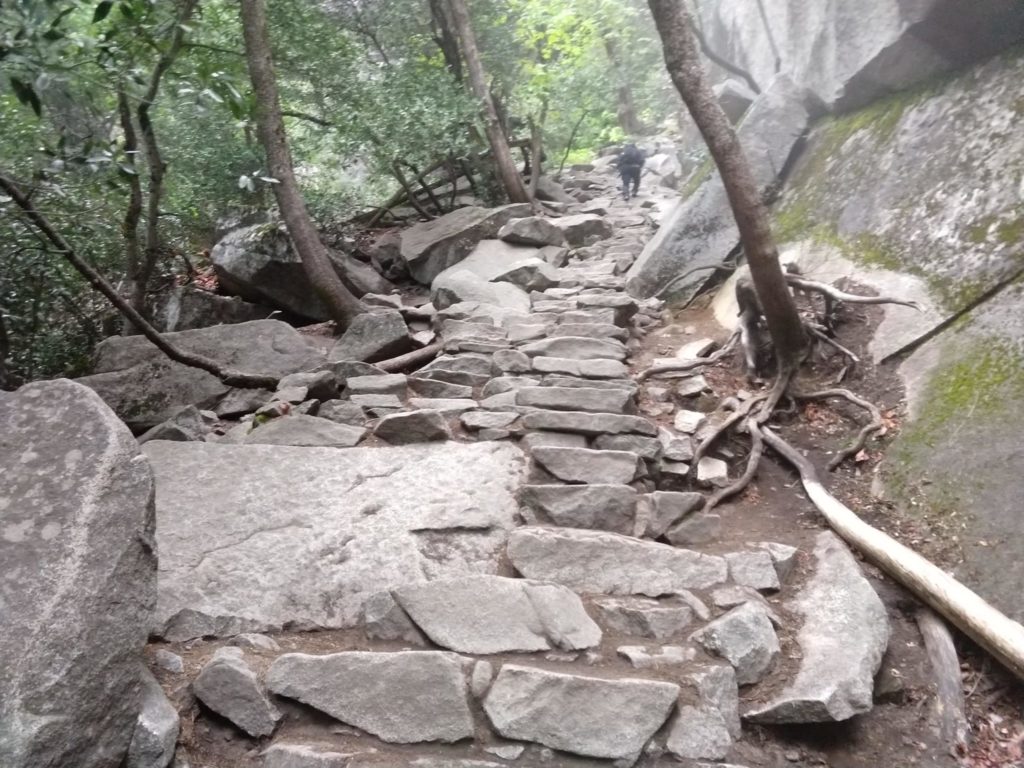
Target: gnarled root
<point x="753" y="460"/>
<point x="830" y="292"/>
<point x="862" y="437"/>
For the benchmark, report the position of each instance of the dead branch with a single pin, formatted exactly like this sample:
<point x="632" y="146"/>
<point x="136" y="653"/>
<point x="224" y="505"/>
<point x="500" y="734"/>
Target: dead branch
<point x="740" y="413"/>
<point x="684" y="366"/>
<point x="862" y="437"/>
<point x="996" y="633"/>
<point x="949" y="692"/>
<point x="411" y="359"/>
<point x="97" y="281"/>
<point x="796" y="281"/>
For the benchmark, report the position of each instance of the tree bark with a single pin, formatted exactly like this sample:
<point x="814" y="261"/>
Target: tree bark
<point x="132" y="215"/>
<point x="341" y="304"/>
<point x="97" y="281"/>
<point x="445" y="38"/>
<point x="626" y="105"/>
<point x="675" y="25"/>
<point x="537" y="148"/>
<point x="507" y="171"/>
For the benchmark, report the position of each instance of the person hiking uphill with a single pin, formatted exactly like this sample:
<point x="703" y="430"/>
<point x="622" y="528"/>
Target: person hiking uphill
<point x="630" y="163"/>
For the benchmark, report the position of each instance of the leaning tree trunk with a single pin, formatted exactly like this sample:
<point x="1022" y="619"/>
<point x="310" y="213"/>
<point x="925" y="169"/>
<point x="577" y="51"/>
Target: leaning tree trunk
<point x="341" y="304"/>
<point x="507" y="171"/>
<point x="675" y="25"/>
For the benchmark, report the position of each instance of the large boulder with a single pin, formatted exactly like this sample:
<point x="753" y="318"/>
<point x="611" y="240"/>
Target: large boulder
<point x="842" y="640"/>
<point x="850" y="54"/>
<point x="259" y="264"/>
<point x="239" y="525"/>
<point x="701" y="229"/>
<point x="145" y="387"/>
<point x="78" y="568"/>
<point x="431" y="247"/>
<point x="459" y="285"/>
<point x="508" y="262"/>
<point x="372" y="337"/>
<point x="185" y="308"/>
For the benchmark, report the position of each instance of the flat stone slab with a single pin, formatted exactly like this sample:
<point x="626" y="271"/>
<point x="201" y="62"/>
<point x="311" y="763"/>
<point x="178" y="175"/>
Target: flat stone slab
<point x="493" y="614"/>
<point x="593" y="561"/>
<point x="229" y="687"/>
<point x="576" y="348"/>
<point x="598" y="507"/>
<point x="308" y="431"/>
<point x="405" y="698"/>
<point x="843" y="638"/>
<point x="584" y="465"/>
<point x="585" y="423"/>
<point x="585" y="715"/>
<point x="617" y="401"/>
<point x="590" y="369"/>
<point x="643" y="617"/>
<point x="239" y="526"/>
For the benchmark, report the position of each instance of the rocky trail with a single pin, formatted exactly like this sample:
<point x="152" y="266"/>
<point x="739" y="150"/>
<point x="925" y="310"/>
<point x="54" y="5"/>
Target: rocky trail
<point x="500" y="558"/>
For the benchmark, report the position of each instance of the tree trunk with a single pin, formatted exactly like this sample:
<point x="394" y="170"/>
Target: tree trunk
<point x="445" y="38"/>
<point x="675" y="25"/>
<point x="537" y="147"/>
<point x="341" y="304"/>
<point x="626" y="105"/>
<point x="97" y="281"/>
<point x="132" y="215"/>
<point x="507" y="171"/>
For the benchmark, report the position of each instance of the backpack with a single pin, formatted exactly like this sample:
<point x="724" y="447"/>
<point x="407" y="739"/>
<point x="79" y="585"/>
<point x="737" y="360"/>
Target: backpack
<point x="632" y="157"/>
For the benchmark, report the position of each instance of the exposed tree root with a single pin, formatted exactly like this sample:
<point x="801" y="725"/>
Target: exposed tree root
<point x="753" y="460"/>
<point x="412" y="359"/>
<point x="862" y="438"/>
<point x="830" y="292"/>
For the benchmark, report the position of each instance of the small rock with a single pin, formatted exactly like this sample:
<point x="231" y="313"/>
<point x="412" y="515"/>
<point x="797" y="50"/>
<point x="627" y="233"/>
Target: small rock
<point x="156" y="730"/>
<point x="675" y="447"/>
<point x="753" y="569"/>
<point x="384" y="619"/>
<point x="385" y="384"/>
<point x="745" y="638"/>
<point x="691" y="386"/>
<point x="436" y="388"/>
<point x="694" y="349"/>
<point x="689" y="421"/>
<point x="255" y="641"/>
<point x="712" y="471"/>
<point x="697" y="528"/>
<point x="413" y="427"/>
<point x="445" y="406"/>
<point x="373" y="336"/>
<point x="303" y="756"/>
<point x="477" y="420"/>
<point x="168" y="661"/>
<point x="783" y="555"/>
<point x="659" y="511"/>
<point x="698" y="733"/>
<point x="642" y="617"/>
<point x="598" y="507"/>
<point x="319" y="385"/>
<point x="480" y="679"/>
<point x="667" y="656"/>
<point x="342" y="412"/>
<point x="229" y="687"/>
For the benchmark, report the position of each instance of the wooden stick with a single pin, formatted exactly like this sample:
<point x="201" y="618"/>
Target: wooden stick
<point x="409" y="359"/>
<point x="949" y="694"/>
<point x="995" y="632"/>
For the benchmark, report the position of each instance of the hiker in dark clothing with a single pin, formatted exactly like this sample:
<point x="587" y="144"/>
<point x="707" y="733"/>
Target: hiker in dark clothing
<point x="630" y="163"/>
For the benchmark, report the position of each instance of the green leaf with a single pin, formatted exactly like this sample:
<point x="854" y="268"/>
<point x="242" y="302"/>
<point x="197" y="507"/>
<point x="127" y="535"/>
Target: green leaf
<point x="102" y="11"/>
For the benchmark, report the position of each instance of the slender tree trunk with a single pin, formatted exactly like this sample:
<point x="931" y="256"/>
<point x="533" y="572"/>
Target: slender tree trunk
<point x="341" y="304"/>
<point x="537" y="147"/>
<point x="97" y="281"/>
<point x="507" y="171"/>
<point x="626" y="105"/>
<point x="132" y="215"/>
<point x="675" y="25"/>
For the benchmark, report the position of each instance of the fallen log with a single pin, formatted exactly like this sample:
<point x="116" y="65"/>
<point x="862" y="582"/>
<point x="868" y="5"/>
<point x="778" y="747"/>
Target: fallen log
<point x="992" y="630"/>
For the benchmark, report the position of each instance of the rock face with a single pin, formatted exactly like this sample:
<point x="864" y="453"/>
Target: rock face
<point x="259" y="264"/>
<point x="848" y="56"/>
<point x="701" y="228"/>
<point x="491" y="614"/>
<point x="78" y="569"/>
<point x="186" y="308"/>
<point x="843" y="639"/>
<point x="239" y="525"/>
<point x="585" y="715"/>
<point x="144" y="387"/>
<point x="404" y="698"/>
<point x="433" y="246"/>
<point x="592" y="561"/>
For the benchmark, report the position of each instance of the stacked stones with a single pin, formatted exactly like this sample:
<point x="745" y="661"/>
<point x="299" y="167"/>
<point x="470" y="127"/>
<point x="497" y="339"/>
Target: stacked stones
<point x="601" y="644"/>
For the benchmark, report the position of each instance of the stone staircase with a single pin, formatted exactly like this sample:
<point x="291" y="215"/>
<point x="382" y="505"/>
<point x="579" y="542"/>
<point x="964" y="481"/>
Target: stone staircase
<point x="513" y="571"/>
